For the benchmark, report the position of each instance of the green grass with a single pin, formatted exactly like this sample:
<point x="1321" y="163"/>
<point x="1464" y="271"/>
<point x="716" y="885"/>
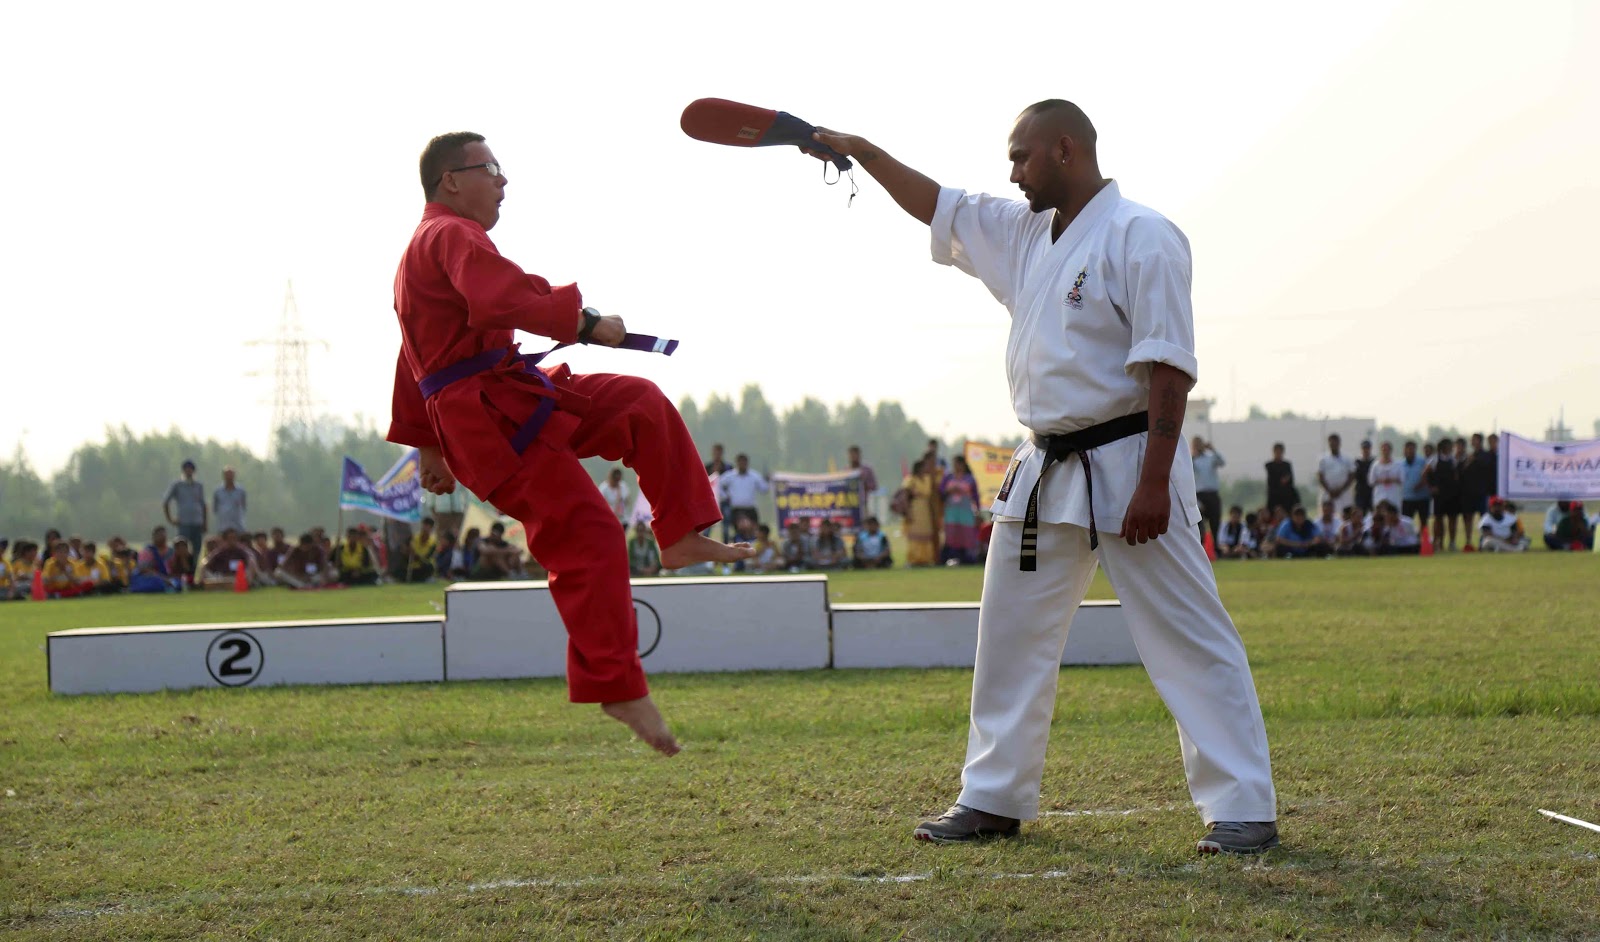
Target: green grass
<point x="1419" y="710"/>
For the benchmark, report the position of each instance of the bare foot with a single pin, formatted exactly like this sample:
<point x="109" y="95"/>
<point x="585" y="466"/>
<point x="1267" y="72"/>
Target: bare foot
<point x="646" y="721"/>
<point x="698" y="548"/>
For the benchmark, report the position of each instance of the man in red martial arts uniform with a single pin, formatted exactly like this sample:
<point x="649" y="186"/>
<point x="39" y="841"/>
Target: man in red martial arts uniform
<point x="512" y="433"/>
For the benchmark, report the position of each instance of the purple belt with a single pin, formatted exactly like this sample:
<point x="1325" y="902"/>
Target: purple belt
<point x="432" y="384"/>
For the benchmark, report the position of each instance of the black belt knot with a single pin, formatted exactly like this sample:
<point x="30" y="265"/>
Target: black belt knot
<point x="1058" y="448"/>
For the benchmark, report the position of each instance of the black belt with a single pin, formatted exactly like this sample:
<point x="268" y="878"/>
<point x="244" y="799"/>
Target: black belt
<point x="1057" y="448"/>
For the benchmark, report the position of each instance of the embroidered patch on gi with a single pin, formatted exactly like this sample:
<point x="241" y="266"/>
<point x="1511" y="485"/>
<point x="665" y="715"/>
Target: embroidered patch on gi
<point x="1075" y="296"/>
<point x="1011" y="475"/>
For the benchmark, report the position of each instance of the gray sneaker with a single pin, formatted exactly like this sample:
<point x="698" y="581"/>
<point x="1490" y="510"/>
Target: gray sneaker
<point x="961" y="823"/>
<point x="1239" y="837"/>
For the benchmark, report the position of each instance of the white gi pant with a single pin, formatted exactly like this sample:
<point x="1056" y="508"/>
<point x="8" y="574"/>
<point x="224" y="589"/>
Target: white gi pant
<point x="1185" y="638"/>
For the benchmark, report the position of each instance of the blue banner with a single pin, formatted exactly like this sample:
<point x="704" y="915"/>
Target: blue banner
<point x="808" y="498"/>
<point x="397" y="495"/>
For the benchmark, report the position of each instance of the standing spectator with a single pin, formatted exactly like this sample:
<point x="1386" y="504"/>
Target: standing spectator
<point x="872" y="547"/>
<point x="715" y="469"/>
<point x="1386" y="477"/>
<point x="1444" y="483"/>
<point x="424" y="551"/>
<point x="717" y="464"/>
<point x="869" y="479"/>
<point x="1234" y="539"/>
<point x="933" y="451"/>
<point x="190" y="497"/>
<point x="740" y="487"/>
<point x="228" y="503"/>
<point x="1475" y="481"/>
<point x="1363" y="471"/>
<point x="1281" y="493"/>
<point x="449" y="510"/>
<point x="1492" y="465"/>
<point x="1501" y="531"/>
<point x="617" y="495"/>
<point x="1336" y="473"/>
<point x="1414" y="496"/>
<point x="1207" y="485"/>
<point x="644" y="557"/>
<point x="959" y="493"/>
<point x="923" y="514"/>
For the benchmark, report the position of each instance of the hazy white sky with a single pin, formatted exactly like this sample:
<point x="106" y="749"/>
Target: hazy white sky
<point x="1392" y="205"/>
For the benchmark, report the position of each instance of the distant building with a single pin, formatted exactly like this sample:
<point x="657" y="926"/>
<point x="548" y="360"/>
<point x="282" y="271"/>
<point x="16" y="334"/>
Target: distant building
<point x="1247" y="445"/>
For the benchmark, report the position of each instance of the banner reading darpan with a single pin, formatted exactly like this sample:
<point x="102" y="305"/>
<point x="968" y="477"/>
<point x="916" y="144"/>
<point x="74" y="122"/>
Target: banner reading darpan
<point x="807" y="498"/>
<point x="988" y="464"/>
<point x="1531" y="470"/>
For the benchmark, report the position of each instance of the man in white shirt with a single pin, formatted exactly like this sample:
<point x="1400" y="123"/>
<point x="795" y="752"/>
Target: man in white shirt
<point x="229" y="503"/>
<point x="616" y="493"/>
<point x="1501" y="530"/>
<point x="1100" y="360"/>
<point x="1387" y="477"/>
<point x="739" y="488"/>
<point x="1337" y="475"/>
<point x="1207" y="486"/>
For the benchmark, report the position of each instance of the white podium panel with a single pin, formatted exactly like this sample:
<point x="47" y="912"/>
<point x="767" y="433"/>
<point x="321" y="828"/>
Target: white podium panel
<point x="248" y="654"/>
<point x="502" y="630"/>
<point x="945" y="634"/>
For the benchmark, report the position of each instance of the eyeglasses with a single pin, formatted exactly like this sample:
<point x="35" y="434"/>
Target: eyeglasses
<point x="491" y="166"/>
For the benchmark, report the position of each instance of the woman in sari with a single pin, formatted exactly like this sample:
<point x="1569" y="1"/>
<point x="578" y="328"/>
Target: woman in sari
<point x="960" y="493"/>
<point x="924" y="513"/>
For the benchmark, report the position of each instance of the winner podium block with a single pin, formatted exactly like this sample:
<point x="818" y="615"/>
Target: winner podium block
<point x="945" y="634"/>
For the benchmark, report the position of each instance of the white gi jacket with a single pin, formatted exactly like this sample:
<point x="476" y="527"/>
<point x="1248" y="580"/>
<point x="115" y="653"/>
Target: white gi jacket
<point x="1089" y="314"/>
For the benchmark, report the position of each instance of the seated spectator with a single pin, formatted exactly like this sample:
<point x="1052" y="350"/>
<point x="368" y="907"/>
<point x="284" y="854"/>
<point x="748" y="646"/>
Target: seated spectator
<point x="1234" y="539"/>
<point x="496" y="559"/>
<point x="767" y="557"/>
<point x="469" y="550"/>
<point x="1328" y="528"/>
<point x="1573" y="531"/>
<point x="76" y="543"/>
<point x="183" y="561"/>
<point x="872" y="547"/>
<point x="96" y="570"/>
<point x="223" y="561"/>
<point x="8" y="585"/>
<point x="1352" y="533"/>
<point x="421" y="553"/>
<point x="450" y="562"/>
<point x="797" y="547"/>
<point x="121" y="560"/>
<point x="280" y="548"/>
<point x="304" y="566"/>
<point x="744" y="531"/>
<point x="60" y="577"/>
<point x="1399" y="534"/>
<point x="1501" y="531"/>
<point x="827" y="552"/>
<point x="155" y="569"/>
<point x="1297" y="536"/>
<point x="358" y="565"/>
<point x="644" y="557"/>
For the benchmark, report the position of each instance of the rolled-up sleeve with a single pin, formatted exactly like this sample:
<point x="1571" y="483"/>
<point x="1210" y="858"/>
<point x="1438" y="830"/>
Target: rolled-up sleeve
<point x="1161" y="313"/>
<point x="978" y="234"/>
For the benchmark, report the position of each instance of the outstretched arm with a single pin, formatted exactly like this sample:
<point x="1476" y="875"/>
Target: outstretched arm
<point x="915" y="193"/>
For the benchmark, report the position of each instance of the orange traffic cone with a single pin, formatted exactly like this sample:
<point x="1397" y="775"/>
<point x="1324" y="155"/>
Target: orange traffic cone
<point x="1427" y="542"/>
<point x="1210" y="545"/>
<point x="241" y="578"/>
<point x="37" y="592"/>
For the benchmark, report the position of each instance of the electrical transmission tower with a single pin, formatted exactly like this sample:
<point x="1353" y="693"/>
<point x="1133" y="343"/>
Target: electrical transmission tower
<point x="291" y="395"/>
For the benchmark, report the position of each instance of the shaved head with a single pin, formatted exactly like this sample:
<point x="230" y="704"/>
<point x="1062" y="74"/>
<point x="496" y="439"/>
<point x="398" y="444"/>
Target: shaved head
<point x="1057" y="117"/>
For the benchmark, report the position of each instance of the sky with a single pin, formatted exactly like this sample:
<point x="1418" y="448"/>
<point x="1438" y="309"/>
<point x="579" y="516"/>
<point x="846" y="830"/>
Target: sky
<point x="1391" y="205"/>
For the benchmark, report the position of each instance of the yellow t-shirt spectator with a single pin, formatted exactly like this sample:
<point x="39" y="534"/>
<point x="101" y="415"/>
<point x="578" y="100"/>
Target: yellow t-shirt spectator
<point x="59" y="575"/>
<point x="94" y="570"/>
<point x="423" y="549"/>
<point x="5" y="578"/>
<point x="121" y="568"/>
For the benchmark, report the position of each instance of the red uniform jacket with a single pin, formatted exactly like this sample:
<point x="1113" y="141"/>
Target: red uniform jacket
<point x="456" y="297"/>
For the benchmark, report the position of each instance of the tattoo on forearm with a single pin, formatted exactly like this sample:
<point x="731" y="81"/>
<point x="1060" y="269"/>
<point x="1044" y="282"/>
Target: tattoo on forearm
<point x="1166" y="428"/>
<point x="1169" y="412"/>
<point x="868" y="155"/>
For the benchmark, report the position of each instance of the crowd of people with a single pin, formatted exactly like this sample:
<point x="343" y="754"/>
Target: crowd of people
<point x="1442" y="498"/>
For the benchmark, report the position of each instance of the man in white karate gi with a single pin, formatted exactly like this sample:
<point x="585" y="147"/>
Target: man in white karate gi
<point x="1100" y="360"/>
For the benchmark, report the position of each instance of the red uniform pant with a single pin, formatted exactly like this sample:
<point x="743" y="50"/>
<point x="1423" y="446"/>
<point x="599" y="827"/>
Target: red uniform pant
<point x="574" y="534"/>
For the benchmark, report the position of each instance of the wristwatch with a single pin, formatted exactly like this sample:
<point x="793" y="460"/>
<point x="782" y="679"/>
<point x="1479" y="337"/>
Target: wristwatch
<point x="591" y="317"/>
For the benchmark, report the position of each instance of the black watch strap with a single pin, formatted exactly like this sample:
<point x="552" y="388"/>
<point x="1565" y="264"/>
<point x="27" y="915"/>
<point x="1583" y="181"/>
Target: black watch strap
<point x="591" y="317"/>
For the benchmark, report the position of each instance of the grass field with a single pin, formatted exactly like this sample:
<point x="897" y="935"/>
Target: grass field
<point x="1420" y="710"/>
